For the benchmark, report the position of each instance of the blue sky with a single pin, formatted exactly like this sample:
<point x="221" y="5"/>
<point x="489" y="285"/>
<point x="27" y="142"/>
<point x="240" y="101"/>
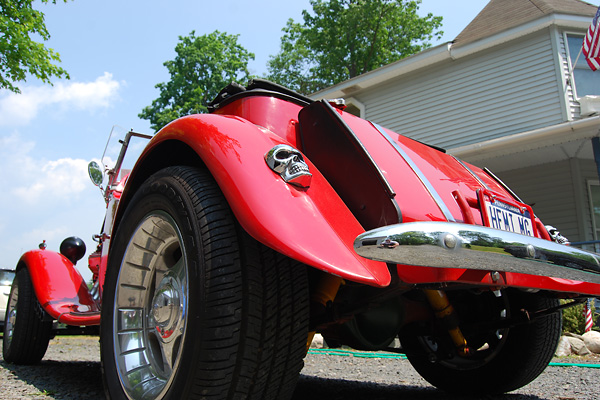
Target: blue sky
<point x="114" y="51"/>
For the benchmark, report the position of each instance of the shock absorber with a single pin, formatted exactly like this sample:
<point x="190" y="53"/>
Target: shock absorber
<point x="446" y="314"/>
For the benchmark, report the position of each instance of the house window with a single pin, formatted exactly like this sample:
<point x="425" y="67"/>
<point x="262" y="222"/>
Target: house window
<point x="594" y="192"/>
<point x="586" y="83"/>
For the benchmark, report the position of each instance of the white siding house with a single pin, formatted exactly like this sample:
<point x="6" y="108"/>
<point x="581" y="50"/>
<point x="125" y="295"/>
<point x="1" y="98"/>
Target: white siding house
<point x="502" y="95"/>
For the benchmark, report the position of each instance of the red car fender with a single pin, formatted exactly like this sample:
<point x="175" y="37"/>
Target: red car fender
<point x="60" y="288"/>
<point x="311" y="225"/>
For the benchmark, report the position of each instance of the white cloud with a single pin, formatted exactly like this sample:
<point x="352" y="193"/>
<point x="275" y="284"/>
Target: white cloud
<point x="31" y="180"/>
<point x="44" y="199"/>
<point x="13" y="143"/>
<point x="58" y="180"/>
<point x="20" y="109"/>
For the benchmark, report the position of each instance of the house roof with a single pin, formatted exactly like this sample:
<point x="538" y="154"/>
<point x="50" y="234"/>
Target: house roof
<point x="570" y="139"/>
<point x="499" y="22"/>
<point x="501" y="15"/>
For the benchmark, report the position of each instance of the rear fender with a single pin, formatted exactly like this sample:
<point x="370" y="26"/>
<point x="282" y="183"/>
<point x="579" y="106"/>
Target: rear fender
<point x="312" y="225"/>
<point x="60" y="288"/>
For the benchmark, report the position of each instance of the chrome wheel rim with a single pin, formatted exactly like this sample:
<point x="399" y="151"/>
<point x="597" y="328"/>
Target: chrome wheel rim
<point x="11" y="312"/>
<point x="150" y="308"/>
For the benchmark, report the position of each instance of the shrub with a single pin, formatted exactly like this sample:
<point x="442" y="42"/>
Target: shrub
<point x="574" y="319"/>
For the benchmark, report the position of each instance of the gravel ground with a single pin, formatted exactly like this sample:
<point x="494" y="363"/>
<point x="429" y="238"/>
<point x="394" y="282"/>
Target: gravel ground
<point x="71" y="370"/>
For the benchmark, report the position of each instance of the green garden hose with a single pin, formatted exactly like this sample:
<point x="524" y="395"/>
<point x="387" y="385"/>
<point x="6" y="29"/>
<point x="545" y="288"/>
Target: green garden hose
<point x="365" y="354"/>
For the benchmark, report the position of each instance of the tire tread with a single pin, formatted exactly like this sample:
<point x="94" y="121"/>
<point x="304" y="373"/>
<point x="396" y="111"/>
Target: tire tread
<point x="33" y="328"/>
<point x="254" y="311"/>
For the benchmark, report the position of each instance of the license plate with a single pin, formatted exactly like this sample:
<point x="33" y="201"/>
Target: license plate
<point x="508" y="217"/>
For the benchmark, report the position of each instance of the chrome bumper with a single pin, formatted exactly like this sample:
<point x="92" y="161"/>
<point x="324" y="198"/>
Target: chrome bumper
<point x="454" y="245"/>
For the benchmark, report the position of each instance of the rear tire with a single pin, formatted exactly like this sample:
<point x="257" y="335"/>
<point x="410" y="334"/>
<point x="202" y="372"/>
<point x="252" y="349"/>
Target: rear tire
<point x="192" y="306"/>
<point x="506" y="359"/>
<point x="27" y="327"/>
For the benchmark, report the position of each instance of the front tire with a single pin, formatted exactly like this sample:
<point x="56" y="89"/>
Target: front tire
<point x="503" y="359"/>
<point x="192" y="306"/>
<point x="27" y="327"/>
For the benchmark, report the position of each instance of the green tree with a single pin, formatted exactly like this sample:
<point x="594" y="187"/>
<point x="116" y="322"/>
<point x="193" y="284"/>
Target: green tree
<point x="574" y="319"/>
<point x="20" y="55"/>
<point x="342" y="39"/>
<point x="202" y="67"/>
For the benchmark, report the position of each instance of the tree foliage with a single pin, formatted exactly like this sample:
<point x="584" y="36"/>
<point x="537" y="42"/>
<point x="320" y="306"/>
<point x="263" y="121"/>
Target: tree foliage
<point x="202" y="67"/>
<point x="20" y="55"/>
<point x="574" y="319"/>
<point x="342" y="39"/>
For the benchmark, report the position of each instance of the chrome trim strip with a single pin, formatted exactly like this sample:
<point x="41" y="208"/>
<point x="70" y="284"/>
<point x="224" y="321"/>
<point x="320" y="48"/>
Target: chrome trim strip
<point x="455" y="245"/>
<point x="470" y="171"/>
<point x="434" y="194"/>
<point x="504" y="185"/>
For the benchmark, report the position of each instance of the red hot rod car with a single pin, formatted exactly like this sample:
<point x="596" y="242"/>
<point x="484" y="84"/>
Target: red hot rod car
<point x="240" y="233"/>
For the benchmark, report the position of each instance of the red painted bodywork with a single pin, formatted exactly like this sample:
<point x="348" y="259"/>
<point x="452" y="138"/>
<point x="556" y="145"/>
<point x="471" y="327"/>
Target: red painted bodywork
<point x="60" y="288"/>
<point x="310" y="225"/>
<point x="316" y="226"/>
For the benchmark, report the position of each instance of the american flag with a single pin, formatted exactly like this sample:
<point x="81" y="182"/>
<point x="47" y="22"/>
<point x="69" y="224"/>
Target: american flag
<point x="591" y="43"/>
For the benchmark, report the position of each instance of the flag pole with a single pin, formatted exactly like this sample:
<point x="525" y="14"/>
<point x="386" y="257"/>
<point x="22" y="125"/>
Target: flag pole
<point x="572" y="67"/>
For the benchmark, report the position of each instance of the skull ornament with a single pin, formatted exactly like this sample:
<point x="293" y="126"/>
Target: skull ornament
<point x="289" y="163"/>
<point x="556" y="236"/>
